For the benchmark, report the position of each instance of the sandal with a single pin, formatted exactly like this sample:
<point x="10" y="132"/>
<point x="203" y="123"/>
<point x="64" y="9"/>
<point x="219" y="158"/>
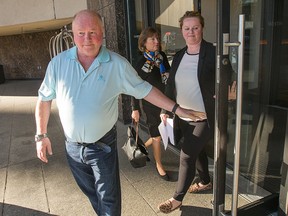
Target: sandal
<point x="167" y="207"/>
<point x="196" y="187"/>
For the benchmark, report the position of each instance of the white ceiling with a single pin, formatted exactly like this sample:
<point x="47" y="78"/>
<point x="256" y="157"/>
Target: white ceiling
<point x="34" y="27"/>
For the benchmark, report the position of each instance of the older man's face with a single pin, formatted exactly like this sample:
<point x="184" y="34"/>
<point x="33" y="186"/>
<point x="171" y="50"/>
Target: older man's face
<point x="88" y="34"/>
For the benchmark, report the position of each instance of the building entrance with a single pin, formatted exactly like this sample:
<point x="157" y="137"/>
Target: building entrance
<point x="262" y="126"/>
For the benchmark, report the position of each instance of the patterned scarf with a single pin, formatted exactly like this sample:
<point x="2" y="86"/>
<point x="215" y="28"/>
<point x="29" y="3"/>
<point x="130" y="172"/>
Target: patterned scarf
<point x="153" y="58"/>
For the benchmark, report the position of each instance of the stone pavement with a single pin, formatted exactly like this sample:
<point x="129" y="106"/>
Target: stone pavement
<point x="30" y="187"/>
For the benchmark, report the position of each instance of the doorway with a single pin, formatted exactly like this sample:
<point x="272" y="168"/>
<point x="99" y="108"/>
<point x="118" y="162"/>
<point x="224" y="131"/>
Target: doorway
<point x="264" y="89"/>
<point x="264" y="103"/>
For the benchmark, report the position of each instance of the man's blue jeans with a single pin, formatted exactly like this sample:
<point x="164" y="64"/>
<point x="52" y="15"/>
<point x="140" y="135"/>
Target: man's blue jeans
<point x="95" y="168"/>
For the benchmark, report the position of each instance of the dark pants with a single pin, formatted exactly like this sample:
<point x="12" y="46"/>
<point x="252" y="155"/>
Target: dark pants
<point x="192" y="156"/>
<point x="95" y="168"/>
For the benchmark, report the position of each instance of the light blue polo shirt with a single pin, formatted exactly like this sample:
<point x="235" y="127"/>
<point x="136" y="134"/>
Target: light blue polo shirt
<point x="88" y="101"/>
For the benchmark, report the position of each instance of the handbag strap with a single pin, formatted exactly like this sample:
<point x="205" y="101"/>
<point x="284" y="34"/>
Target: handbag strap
<point x="136" y="124"/>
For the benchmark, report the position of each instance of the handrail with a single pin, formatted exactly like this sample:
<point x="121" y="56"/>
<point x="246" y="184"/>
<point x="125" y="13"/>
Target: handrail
<point x="238" y="115"/>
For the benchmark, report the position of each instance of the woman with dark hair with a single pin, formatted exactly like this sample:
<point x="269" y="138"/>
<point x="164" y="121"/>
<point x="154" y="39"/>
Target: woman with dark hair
<point x="152" y="66"/>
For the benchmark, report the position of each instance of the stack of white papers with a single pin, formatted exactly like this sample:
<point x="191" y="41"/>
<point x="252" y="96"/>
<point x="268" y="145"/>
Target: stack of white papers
<point x="166" y="132"/>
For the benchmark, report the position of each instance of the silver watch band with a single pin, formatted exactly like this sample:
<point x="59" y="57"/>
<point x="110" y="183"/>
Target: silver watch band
<point x="39" y="137"/>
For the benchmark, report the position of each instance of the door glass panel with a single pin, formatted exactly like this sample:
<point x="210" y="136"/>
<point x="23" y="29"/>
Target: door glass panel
<point x="265" y="96"/>
<point x="167" y="14"/>
<point x="135" y="26"/>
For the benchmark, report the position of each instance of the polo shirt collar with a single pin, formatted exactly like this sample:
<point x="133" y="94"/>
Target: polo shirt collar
<point x="103" y="55"/>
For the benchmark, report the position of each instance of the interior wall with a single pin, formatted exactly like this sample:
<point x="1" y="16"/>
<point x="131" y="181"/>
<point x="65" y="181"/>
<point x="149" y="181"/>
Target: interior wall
<point x="168" y="10"/>
<point x="208" y="11"/>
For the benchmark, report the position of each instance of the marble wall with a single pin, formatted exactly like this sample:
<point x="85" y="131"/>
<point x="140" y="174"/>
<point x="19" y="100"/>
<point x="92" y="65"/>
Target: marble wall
<point x="25" y="56"/>
<point x="113" y="12"/>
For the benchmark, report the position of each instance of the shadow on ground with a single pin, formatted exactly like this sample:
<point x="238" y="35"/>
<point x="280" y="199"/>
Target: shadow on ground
<point x="13" y="210"/>
<point x="192" y="210"/>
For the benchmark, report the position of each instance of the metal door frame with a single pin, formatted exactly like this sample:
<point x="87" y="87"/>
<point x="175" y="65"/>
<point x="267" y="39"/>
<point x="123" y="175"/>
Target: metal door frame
<point x="223" y="67"/>
<point x="221" y="107"/>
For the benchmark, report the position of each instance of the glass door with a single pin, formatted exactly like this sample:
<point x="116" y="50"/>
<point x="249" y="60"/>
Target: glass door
<point x="135" y="22"/>
<point x="264" y="97"/>
<point x="160" y="15"/>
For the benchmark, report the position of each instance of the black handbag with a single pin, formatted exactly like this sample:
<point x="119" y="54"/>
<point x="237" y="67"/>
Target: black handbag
<point x="134" y="148"/>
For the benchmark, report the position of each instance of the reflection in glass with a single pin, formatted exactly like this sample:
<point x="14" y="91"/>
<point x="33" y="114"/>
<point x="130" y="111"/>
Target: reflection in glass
<point x="265" y="96"/>
<point x="167" y="14"/>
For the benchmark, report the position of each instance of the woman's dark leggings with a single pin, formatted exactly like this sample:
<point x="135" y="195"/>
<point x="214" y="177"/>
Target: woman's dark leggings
<point x="192" y="156"/>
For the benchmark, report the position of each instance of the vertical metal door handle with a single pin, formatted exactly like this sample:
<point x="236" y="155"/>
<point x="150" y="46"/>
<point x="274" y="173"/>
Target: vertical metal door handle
<point x="238" y="115"/>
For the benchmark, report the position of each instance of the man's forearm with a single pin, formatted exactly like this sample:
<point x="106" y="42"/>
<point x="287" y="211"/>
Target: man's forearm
<point x="42" y="113"/>
<point x="157" y="98"/>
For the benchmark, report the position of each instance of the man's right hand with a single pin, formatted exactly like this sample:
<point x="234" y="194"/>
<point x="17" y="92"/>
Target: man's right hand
<point x="192" y="114"/>
<point x="42" y="148"/>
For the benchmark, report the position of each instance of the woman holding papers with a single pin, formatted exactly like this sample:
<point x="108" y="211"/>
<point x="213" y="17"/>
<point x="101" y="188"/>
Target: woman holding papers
<point x="152" y="66"/>
<point x="191" y="84"/>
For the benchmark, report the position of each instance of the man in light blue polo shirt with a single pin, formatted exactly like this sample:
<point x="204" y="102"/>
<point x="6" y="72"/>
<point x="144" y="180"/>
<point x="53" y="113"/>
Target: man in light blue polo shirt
<point x="86" y="82"/>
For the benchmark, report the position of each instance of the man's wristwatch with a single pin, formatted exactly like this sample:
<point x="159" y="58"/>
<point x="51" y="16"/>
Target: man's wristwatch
<point x="39" y="137"/>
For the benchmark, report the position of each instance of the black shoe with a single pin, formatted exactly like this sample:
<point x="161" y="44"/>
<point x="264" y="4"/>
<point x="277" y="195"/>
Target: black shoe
<point x="148" y="159"/>
<point x="164" y="177"/>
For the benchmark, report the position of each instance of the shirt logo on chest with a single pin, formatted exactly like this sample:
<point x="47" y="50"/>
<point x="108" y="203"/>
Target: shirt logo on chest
<point x="101" y="78"/>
